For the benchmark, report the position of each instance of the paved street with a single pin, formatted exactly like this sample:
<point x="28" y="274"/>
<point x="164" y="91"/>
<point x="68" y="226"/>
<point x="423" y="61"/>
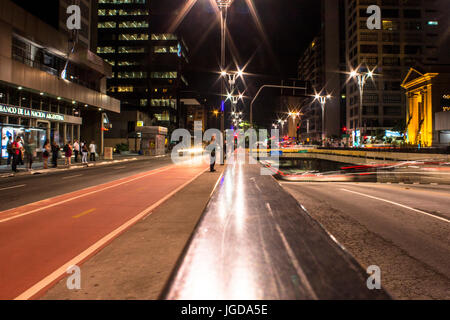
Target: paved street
<point x="78" y="216"/>
<point x="404" y="229"/>
<point x="24" y="189"/>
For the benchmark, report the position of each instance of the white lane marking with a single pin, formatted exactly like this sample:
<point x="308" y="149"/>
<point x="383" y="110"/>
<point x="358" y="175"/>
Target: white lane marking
<point x="96" y="246"/>
<point x="292" y="256"/>
<point x="119" y="168"/>
<point x="13" y="187"/>
<point x="217" y="183"/>
<point x="398" y="204"/>
<point x="74" y="176"/>
<point x="85" y="194"/>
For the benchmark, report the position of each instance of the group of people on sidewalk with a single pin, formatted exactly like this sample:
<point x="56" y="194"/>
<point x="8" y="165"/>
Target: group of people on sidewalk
<point x="21" y="151"/>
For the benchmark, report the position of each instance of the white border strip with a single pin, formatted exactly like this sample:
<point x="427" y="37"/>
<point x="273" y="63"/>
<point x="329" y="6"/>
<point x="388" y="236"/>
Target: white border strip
<point x="398" y="204"/>
<point x="34" y="290"/>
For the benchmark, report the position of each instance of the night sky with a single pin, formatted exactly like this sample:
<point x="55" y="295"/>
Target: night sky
<point x="290" y="25"/>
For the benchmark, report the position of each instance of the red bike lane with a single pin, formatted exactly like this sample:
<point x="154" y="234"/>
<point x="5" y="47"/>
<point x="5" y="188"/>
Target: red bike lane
<point x="40" y="240"/>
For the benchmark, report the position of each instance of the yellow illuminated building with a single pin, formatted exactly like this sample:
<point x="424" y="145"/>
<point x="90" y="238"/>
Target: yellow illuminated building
<point x="424" y="92"/>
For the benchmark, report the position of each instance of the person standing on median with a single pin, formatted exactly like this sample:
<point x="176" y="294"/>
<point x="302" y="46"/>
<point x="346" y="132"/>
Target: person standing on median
<point x="76" y="149"/>
<point x="68" y="154"/>
<point x="46" y="153"/>
<point x="84" y="153"/>
<point x="55" y="151"/>
<point x="93" y="150"/>
<point x="30" y="152"/>
<point x="16" y="153"/>
<point x="9" y="150"/>
<point x="212" y="157"/>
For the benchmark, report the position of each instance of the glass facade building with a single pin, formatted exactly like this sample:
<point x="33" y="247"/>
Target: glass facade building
<point x="147" y="65"/>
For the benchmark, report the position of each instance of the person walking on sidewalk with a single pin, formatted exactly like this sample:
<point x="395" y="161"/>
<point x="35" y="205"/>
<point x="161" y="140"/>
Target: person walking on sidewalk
<point x="46" y="153"/>
<point x="21" y="152"/>
<point x="9" y="150"/>
<point x="93" y="150"/>
<point x="84" y="153"/>
<point x="76" y="149"/>
<point x="30" y="152"/>
<point x="55" y="151"/>
<point x="212" y="158"/>
<point x="16" y="153"/>
<point x="68" y="154"/>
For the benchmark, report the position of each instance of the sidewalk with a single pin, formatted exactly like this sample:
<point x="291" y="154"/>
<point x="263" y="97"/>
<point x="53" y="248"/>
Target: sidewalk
<point x="6" y="171"/>
<point x="137" y="264"/>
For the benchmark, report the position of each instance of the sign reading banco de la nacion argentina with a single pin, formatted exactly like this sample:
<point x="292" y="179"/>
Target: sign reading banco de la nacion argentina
<point x="30" y="113"/>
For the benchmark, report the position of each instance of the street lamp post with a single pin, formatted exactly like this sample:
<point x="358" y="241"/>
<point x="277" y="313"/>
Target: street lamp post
<point x="223" y="6"/>
<point x="323" y="101"/>
<point x="361" y="79"/>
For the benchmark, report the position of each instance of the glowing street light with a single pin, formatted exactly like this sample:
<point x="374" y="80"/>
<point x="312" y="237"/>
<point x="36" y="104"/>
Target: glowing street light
<point x="323" y="101"/>
<point x="361" y="78"/>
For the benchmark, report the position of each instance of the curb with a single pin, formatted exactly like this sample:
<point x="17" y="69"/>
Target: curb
<point x="73" y="167"/>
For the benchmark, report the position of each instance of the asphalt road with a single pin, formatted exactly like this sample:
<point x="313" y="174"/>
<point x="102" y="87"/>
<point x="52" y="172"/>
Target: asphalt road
<point x="403" y="229"/>
<point x="21" y="190"/>
<point x="87" y="210"/>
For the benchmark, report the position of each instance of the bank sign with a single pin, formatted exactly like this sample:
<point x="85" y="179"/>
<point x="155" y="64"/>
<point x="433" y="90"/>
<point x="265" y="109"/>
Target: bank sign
<point x="29" y="113"/>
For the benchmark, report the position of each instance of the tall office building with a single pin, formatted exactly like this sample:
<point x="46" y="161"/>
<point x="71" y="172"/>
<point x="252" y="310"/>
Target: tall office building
<point x="322" y="65"/>
<point x="409" y="35"/>
<point x="147" y="65"/>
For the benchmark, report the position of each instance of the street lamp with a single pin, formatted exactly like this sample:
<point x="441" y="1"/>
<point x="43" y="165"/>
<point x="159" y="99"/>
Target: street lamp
<point x="361" y="78"/>
<point x="223" y="6"/>
<point x="323" y="101"/>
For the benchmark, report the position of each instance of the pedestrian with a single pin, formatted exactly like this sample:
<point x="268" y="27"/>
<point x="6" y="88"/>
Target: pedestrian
<point x="30" y="152"/>
<point x="212" y="158"/>
<point x="46" y="153"/>
<point x="84" y="153"/>
<point x="22" y="152"/>
<point x="16" y="153"/>
<point x="55" y="151"/>
<point x="76" y="149"/>
<point x="9" y="150"/>
<point x="68" y="149"/>
<point x="93" y="150"/>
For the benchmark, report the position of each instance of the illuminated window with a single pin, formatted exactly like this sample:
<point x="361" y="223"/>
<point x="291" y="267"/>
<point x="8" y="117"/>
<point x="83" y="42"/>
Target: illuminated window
<point x="160" y="49"/>
<point x="163" y="103"/>
<point x="163" y="116"/>
<point x="143" y="102"/>
<point x="391" y="25"/>
<point x="133" y="36"/>
<point x="111" y="62"/>
<point x="132" y="75"/>
<point x="106" y="25"/>
<point x="164" y="75"/>
<point x="133" y="24"/>
<point x="131" y="50"/>
<point x="164" y="36"/>
<point x="137" y="12"/>
<point x="127" y="63"/>
<point x="105" y="50"/>
<point x="125" y="89"/>
<point x="106" y="12"/>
